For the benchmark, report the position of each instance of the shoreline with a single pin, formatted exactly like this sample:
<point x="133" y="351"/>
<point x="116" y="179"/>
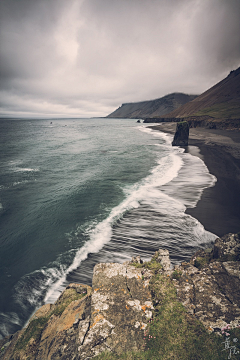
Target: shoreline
<point x="218" y="210"/>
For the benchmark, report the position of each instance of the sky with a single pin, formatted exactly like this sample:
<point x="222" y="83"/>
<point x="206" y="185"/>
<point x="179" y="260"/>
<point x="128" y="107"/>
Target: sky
<point x="84" y="58"/>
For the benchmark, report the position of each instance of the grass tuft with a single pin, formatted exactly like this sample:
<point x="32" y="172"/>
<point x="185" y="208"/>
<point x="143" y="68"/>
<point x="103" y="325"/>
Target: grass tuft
<point x="176" y="274"/>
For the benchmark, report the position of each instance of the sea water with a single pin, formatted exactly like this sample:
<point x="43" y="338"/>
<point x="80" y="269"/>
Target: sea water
<point x="75" y="192"/>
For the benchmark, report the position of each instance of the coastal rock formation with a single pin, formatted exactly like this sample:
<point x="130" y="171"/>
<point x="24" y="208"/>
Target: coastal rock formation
<point x="181" y="134"/>
<point x="114" y="314"/>
<point x="55" y="331"/>
<point x="121" y="302"/>
<point x="209" y="285"/>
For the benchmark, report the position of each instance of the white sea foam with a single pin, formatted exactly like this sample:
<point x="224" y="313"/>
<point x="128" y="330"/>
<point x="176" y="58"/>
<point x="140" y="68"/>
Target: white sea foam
<point x="6" y="321"/>
<point x="19" y="169"/>
<point x="168" y="138"/>
<point x="16" y="183"/>
<point x="147" y="190"/>
<point x="199" y="179"/>
<point x="29" y="290"/>
<point x="166" y="170"/>
<point x="18" y="166"/>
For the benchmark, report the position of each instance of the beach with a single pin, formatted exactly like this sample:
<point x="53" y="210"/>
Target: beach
<point x="218" y="210"/>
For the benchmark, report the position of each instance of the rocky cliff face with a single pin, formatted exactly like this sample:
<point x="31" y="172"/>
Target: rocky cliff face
<point x="209" y="286"/>
<point x="115" y="314"/>
<point x="112" y="315"/>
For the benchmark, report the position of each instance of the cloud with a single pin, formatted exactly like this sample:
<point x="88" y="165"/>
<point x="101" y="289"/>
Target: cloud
<point x="86" y="57"/>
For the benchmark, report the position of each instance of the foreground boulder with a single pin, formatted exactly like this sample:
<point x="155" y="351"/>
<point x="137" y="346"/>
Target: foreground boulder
<point x="182" y="134"/>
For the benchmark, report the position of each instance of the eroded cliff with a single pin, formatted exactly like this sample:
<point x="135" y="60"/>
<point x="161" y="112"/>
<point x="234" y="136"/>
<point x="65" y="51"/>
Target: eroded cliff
<point x="147" y="309"/>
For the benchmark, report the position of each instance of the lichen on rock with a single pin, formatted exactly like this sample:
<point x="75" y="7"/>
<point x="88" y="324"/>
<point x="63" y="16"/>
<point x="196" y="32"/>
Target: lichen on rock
<point x="209" y="285"/>
<point x="116" y="313"/>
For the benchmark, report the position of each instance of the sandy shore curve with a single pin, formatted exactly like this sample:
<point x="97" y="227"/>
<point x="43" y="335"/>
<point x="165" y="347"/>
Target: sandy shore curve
<point x="218" y="210"/>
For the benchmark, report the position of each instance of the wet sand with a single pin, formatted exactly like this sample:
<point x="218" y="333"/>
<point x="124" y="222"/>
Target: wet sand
<point x="219" y="207"/>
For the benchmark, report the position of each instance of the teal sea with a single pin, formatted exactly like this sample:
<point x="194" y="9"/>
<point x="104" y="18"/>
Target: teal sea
<point x="75" y="192"/>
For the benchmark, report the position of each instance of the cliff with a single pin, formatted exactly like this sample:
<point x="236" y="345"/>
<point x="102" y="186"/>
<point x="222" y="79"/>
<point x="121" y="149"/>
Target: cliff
<point x="152" y="108"/>
<point x="220" y="101"/>
<point x="142" y="311"/>
<point x="218" y="107"/>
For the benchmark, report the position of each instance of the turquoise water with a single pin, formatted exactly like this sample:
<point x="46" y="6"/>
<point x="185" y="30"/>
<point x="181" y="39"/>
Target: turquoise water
<point x="77" y="192"/>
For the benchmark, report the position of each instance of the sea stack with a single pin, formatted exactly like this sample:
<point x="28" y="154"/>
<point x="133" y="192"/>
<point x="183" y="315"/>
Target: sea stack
<point x="181" y="134"/>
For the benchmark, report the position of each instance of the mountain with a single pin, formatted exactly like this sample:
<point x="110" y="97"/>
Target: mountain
<point x="221" y="102"/>
<point x="152" y="108"/>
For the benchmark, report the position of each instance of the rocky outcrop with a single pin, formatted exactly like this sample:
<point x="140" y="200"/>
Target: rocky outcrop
<point x="209" y="285"/>
<point x="181" y="135"/>
<point x="122" y="305"/>
<point x="114" y="314"/>
<point x="55" y="331"/>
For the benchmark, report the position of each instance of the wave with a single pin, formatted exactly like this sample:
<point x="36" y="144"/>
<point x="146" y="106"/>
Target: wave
<point x="101" y="234"/>
<point x="163" y="194"/>
<point x="18" y="166"/>
<point x="145" y="191"/>
<point x="8" y="322"/>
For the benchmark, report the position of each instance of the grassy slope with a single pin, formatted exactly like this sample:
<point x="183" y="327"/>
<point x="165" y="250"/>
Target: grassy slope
<point x="221" y="102"/>
<point x="227" y="110"/>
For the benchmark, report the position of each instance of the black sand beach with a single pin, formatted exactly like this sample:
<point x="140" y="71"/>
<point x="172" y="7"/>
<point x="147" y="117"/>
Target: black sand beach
<point x="219" y="207"/>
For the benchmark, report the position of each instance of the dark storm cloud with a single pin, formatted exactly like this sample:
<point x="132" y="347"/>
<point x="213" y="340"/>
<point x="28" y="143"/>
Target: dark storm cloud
<point x="86" y="57"/>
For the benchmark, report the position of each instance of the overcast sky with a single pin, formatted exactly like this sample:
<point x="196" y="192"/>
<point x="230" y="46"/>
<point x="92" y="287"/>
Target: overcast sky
<point x="85" y="58"/>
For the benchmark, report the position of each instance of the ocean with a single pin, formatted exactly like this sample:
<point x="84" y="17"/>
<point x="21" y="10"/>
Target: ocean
<point x="75" y="192"/>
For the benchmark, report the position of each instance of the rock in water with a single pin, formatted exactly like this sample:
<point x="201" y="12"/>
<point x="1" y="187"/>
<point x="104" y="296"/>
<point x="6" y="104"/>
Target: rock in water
<point x="181" y="134"/>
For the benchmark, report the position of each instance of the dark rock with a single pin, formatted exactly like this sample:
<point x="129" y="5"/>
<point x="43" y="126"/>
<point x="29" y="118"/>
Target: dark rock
<point x="181" y="134"/>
